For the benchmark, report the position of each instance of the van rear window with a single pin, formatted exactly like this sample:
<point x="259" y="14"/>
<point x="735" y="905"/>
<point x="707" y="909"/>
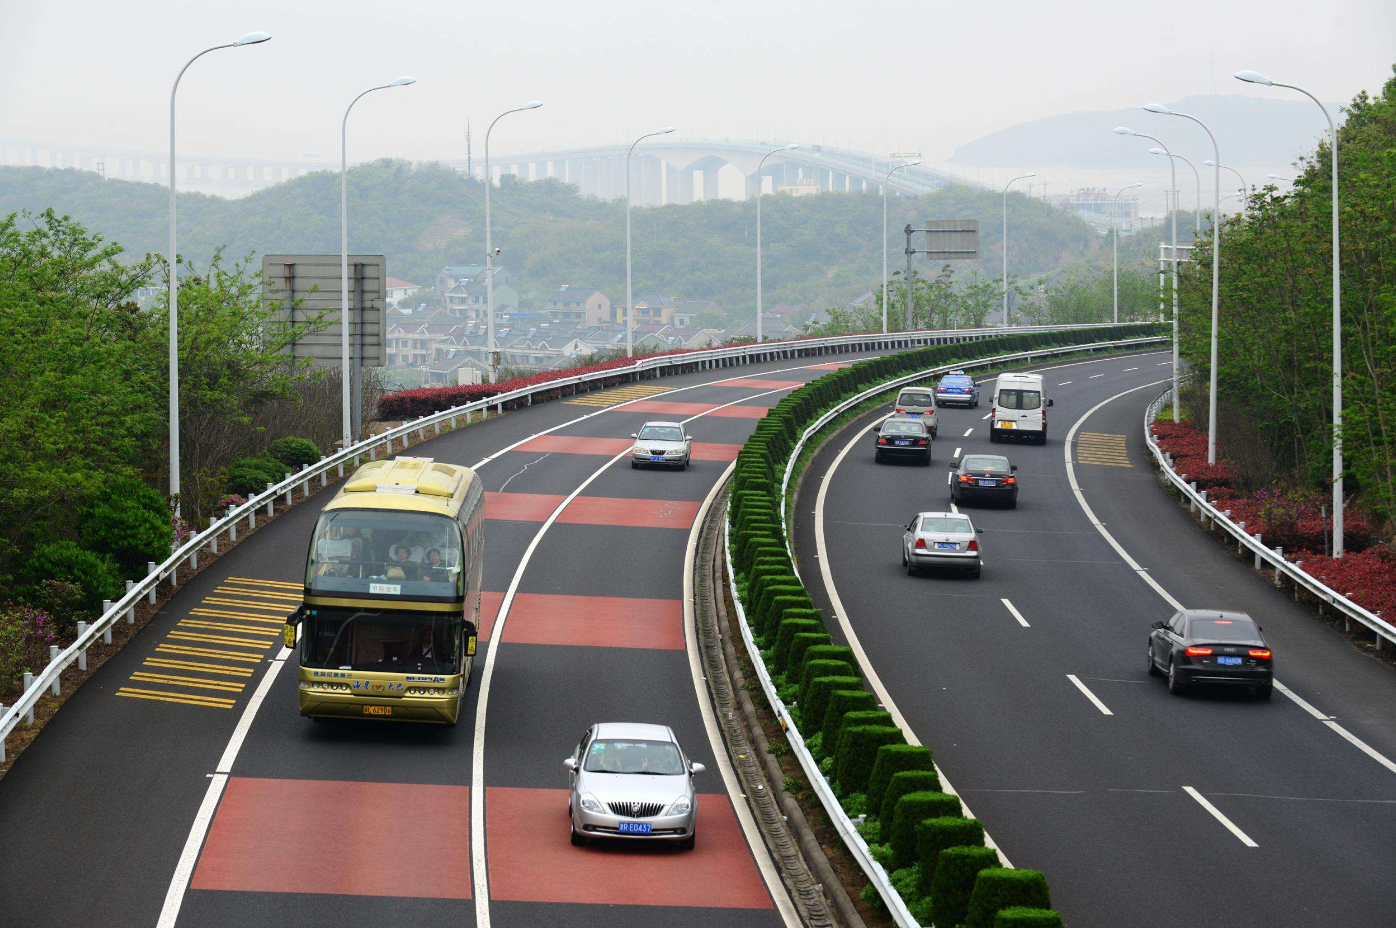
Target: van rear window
<point x="1020" y="399"/>
<point x="918" y="399"/>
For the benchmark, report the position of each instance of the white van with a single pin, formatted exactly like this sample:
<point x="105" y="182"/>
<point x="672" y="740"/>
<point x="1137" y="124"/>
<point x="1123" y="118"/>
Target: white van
<point x="1020" y="408"/>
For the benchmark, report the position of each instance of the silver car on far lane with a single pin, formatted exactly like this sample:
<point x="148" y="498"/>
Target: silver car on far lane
<point x="941" y="539"/>
<point x="632" y="780"/>
<point x="661" y="443"/>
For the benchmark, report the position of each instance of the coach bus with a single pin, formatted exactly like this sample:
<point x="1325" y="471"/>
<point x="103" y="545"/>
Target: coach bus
<point x="391" y="612"/>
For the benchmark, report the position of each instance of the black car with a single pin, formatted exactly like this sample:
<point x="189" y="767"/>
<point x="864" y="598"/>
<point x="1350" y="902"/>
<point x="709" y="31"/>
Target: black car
<point x="984" y="477"/>
<point x="1209" y="646"/>
<point x="903" y="437"/>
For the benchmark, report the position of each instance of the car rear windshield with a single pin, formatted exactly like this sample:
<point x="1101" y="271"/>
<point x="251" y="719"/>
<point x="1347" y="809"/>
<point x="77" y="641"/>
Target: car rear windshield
<point x="903" y="428"/>
<point x="987" y="465"/>
<point x="613" y="755"/>
<point x="661" y="433"/>
<point x="916" y="399"/>
<point x="948" y="525"/>
<point x="1020" y="399"/>
<point x="955" y="382"/>
<point x="1222" y="629"/>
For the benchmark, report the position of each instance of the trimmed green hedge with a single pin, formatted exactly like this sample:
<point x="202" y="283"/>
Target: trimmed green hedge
<point x="956" y="870"/>
<point x="859" y="718"/>
<point x="822" y="692"/>
<point x="892" y="759"/>
<point x="785" y="636"/>
<point x="1000" y="888"/>
<point x="815" y="669"/>
<point x="934" y="835"/>
<point x="857" y="748"/>
<point x="830" y="652"/>
<point x="1019" y="917"/>
<point x="902" y="783"/>
<point x="839" y="705"/>
<point x="801" y="643"/>
<point x="913" y="809"/>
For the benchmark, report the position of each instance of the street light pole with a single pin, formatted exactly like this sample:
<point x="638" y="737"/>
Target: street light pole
<point x="1197" y="200"/>
<point x="1210" y="163"/>
<point x="629" y="293"/>
<point x="489" y="243"/>
<point x="1216" y="274"/>
<point x="1253" y="77"/>
<point x="1005" y="240"/>
<point x="791" y="147"/>
<point x="345" y="376"/>
<point x="885" y="181"/>
<point x="1115" y="241"/>
<point x="1173" y="188"/>
<point x="252" y="38"/>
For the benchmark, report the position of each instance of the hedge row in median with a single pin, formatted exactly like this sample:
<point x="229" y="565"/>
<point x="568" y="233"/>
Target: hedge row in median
<point x="910" y="824"/>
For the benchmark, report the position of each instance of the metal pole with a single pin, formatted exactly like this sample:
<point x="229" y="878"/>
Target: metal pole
<point x="1115" y="243"/>
<point x="489" y="258"/>
<point x="1005" y="239"/>
<point x="760" y="189"/>
<point x="885" y="182"/>
<point x="910" y="291"/>
<point x="629" y="291"/>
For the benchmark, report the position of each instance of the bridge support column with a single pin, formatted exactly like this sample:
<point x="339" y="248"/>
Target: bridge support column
<point x="590" y="176"/>
<point x="651" y="181"/>
<point x="711" y="189"/>
<point x="840" y="182"/>
<point x="606" y="178"/>
<point x="618" y="178"/>
<point x="753" y="185"/>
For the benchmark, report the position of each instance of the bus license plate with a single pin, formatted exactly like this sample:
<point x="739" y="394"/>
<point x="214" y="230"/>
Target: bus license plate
<point x="634" y="828"/>
<point x="378" y="710"/>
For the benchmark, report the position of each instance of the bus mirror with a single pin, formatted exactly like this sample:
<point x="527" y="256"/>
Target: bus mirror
<point x="470" y="646"/>
<point x="290" y="636"/>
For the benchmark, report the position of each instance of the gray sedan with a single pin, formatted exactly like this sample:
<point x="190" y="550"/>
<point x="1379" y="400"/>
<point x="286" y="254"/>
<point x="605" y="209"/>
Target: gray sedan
<point x="661" y="443"/>
<point x="631" y="780"/>
<point x="941" y="539"/>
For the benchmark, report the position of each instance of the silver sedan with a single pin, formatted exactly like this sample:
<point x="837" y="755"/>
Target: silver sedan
<point x="941" y="539"/>
<point x="631" y="780"/>
<point x="661" y="443"/>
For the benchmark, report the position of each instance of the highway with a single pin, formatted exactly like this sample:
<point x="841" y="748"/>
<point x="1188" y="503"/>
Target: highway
<point x="1143" y="809"/>
<point x="180" y="786"/>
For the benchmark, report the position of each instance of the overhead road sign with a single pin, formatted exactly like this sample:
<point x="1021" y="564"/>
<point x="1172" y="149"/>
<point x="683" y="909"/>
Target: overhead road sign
<point x="951" y="239"/>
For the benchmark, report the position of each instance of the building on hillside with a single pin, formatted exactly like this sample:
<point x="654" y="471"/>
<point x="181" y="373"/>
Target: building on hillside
<point x="687" y="310"/>
<point x="579" y="306"/>
<point x="648" y="309"/>
<point x="773" y="328"/>
<point x="400" y="289"/>
<point x="801" y="188"/>
<point x="453" y="274"/>
<point x="471" y="300"/>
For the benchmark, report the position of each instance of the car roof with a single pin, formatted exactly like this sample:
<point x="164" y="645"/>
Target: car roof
<point x="903" y="417"/>
<point x="948" y="515"/>
<point x="1217" y="614"/>
<point x="639" y="731"/>
<point x="916" y="389"/>
<point x="957" y="376"/>
<point x="981" y="457"/>
<point x="658" y="422"/>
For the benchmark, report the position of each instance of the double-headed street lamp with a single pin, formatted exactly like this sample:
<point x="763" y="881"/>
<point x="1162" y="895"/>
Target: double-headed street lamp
<point x="1173" y="188"/>
<point x="791" y="147"/>
<point x="489" y="244"/>
<point x="252" y="38"/>
<point x="348" y="428"/>
<point x="1216" y="275"/>
<point x="1197" y="179"/>
<point x="1005" y="244"/>
<point x="1253" y="77"/>
<point x="629" y="294"/>
<point x="885" y="181"/>
<point x="1212" y="164"/>
<point x="1288" y="180"/>
<point x="1115" y="237"/>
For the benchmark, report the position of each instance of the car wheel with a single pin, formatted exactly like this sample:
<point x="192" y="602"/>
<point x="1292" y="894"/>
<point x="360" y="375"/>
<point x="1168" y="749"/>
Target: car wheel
<point x="904" y="560"/>
<point x="578" y="839"/>
<point x="1013" y="502"/>
<point x="877" y="457"/>
<point x="1263" y="691"/>
<point x="935" y="431"/>
<point x="688" y="843"/>
<point x="634" y="465"/>
<point x="1153" y="668"/>
<point x="975" y="404"/>
<point x="683" y="466"/>
<point x="910" y="569"/>
<point x="976" y="572"/>
<point x="1175" y="679"/>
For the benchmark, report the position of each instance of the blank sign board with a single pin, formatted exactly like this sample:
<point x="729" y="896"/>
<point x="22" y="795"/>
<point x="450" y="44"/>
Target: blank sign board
<point x="313" y="282"/>
<point x="952" y="239"/>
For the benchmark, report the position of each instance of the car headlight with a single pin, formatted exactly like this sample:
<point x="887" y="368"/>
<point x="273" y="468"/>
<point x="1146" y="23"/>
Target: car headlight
<point x="681" y="806"/>
<point x="590" y="803"/>
<point x="637" y="450"/>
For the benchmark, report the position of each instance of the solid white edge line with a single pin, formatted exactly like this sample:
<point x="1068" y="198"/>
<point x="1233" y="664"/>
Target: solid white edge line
<point x="1016" y="614"/>
<point x="184" y="869"/>
<point x="1088" y="694"/>
<point x="249" y="712"/>
<point x="869" y="672"/>
<point x="774" y="885"/>
<point x="1142" y="572"/>
<point x="1217" y="814"/>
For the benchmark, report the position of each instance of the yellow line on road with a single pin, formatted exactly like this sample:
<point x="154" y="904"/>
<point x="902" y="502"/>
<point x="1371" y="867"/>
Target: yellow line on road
<point x="218" y="639"/>
<point x="227" y="627"/>
<point x="188" y="699"/>
<point x="265" y="594"/>
<point x="275" y="583"/>
<point x="196" y="682"/>
<point x="245" y="604"/>
<point x="168" y="664"/>
<point x="229" y="614"/>
<point x="210" y="652"/>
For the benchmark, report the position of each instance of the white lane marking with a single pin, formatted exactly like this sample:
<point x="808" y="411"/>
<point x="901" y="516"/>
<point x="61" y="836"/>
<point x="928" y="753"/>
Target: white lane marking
<point x="1088" y="694"/>
<point x="1128" y="369"/>
<point x="835" y="602"/>
<point x="986" y="415"/>
<point x="955" y="509"/>
<point x="1016" y="614"/>
<point x="967" y="432"/>
<point x="957" y="453"/>
<point x="1064" y="383"/>
<point x="479" y="864"/>
<point x="230" y="753"/>
<point x="1168" y="598"/>
<point x="724" y="763"/>
<point x="1162" y="363"/>
<point x="1094" y="376"/>
<point x="948" y="475"/>
<point x="1217" y="814"/>
<point x="184" y="869"/>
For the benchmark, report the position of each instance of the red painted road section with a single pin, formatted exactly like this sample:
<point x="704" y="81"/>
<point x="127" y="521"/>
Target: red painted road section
<point x="697" y="409"/>
<point x="595" y="621"/>
<point x="489" y="611"/>
<point x="345" y="838"/>
<point x="714" y="451"/>
<point x="610" y="447"/>
<point x="758" y="383"/>
<point x="521" y="507"/>
<point x="531" y="859"/>
<point x="630" y="513"/>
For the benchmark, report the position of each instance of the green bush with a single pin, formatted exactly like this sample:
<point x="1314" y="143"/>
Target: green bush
<point x="765" y="608"/>
<point x="934" y="835"/>
<point x="859" y="718"/>
<point x="293" y="452"/>
<point x="763" y="574"/>
<point x="131" y="522"/>
<point x="250" y="476"/>
<point x="956" y="870"/>
<point x="822" y="692"/>
<point x="97" y="575"/>
<point x="783" y="605"/>
<point x="854" y="804"/>
<point x="813" y="670"/>
<point x="922" y="910"/>
<point x="792" y="612"/>
<point x="904" y="882"/>
<point x="785" y="634"/>
<point x="893" y="759"/>
<point x="829" y="652"/>
<point x="999" y="888"/>
<point x="1021" y="917"/>
<point x="830" y="723"/>
<point x="911" y="810"/>
<point x="802" y="643"/>
<point x="856" y="751"/>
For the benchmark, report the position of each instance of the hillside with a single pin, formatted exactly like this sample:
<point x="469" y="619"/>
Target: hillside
<point x="819" y="251"/>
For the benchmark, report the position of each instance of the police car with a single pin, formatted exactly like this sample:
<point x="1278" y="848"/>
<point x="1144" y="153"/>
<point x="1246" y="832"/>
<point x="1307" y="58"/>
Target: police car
<point x="957" y="387"/>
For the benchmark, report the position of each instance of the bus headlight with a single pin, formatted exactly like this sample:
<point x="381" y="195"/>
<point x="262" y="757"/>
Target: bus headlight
<point x="305" y="684"/>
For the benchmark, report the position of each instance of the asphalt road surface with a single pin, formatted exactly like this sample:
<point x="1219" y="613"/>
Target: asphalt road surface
<point x="1143" y="809"/>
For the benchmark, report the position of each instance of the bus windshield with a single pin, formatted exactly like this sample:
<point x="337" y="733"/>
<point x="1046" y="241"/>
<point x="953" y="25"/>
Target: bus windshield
<point x="413" y="555"/>
<point x="390" y="640"/>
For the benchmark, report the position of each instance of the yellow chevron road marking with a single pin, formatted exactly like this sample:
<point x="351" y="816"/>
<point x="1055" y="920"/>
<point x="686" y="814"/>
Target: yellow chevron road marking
<point x="617" y="395"/>
<point x="267" y="595"/>
<point x="195" y="682"/>
<point x="198" y="666"/>
<point x="245" y="604"/>
<point x="209" y="652"/>
<point x="227" y="627"/>
<point x="229" y="614"/>
<point x="189" y="699"/>
<point x="218" y="639"/>
<point x="283" y="584"/>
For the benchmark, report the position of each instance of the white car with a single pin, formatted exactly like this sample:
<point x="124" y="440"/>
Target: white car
<point x="663" y="443"/>
<point x="920" y="403"/>
<point x="631" y="780"/>
<point x="942" y="539"/>
<point x="1020" y="408"/>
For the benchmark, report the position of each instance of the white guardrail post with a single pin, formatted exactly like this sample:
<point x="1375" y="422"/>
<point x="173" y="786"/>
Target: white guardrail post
<point x="146" y="588"/>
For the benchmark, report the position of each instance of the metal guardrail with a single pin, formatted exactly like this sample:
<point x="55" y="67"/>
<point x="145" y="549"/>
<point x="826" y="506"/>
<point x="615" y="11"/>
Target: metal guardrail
<point x="1265" y="557"/>
<point x="847" y="829"/>
<point x="48" y="679"/>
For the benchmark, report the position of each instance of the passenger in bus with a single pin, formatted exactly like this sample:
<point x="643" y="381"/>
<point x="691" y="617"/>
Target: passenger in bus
<point x="400" y="564"/>
<point x="435" y="568"/>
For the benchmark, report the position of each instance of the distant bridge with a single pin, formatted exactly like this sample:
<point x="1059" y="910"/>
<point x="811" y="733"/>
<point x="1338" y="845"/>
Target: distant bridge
<point x="666" y="171"/>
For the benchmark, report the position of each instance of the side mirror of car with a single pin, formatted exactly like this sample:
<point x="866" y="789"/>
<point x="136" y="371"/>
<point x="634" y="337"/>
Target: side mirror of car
<point x="696" y="768"/>
<point x="1156" y="625"/>
<point x="570" y="763"/>
<point x="634" y="434"/>
<point x="1013" y="468"/>
<point x="1050" y="402"/>
<point x="955" y="465"/>
<point x="980" y="531"/>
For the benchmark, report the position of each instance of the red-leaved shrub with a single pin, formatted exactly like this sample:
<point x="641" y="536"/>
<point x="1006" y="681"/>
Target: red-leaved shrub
<point x="1367" y="577"/>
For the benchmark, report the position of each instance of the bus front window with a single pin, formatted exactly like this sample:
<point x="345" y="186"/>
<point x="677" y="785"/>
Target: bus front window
<point x="382" y="640"/>
<point x="379" y="552"/>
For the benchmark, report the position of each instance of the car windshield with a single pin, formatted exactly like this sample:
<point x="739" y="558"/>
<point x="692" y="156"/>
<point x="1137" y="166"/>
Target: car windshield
<point x="1222" y="629"/>
<point x="613" y="755"/>
<point x="1020" y="399"/>
<point x="385" y="553"/>
<point x="915" y="399"/>
<point x="945" y="525"/>
<point x="988" y="465"/>
<point x="661" y="433"/>
<point x="903" y="428"/>
<point x="389" y="640"/>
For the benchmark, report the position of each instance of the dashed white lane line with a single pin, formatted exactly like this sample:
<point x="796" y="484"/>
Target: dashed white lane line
<point x="1217" y="814"/>
<point x="1064" y="383"/>
<point x="1095" y="700"/>
<point x="948" y="475"/>
<point x="1016" y="614"/>
<point x="955" y="509"/>
<point x="986" y="415"/>
<point x="1128" y="369"/>
<point x="957" y="452"/>
<point x="1162" y="363"/>
<point x="967" y="431"/>
<point x="1094" y="376"/>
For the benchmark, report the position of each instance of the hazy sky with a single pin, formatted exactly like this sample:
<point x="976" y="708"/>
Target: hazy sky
<point x="874" y="75"/>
